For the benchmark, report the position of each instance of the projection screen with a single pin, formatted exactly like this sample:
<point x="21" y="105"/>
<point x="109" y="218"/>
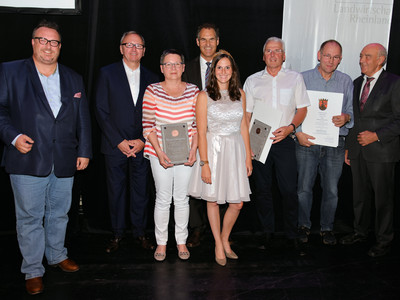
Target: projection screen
<point x="41" y="6"/>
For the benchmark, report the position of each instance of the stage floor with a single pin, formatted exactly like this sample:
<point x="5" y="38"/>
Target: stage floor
<point x="326" y="272"/>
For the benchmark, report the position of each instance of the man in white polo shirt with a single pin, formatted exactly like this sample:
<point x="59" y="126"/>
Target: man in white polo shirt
<point x="283" y="90"/>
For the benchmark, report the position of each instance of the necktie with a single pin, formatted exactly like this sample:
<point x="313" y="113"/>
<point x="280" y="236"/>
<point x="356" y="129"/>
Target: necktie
<point x="365" y="92"/>
<point x="207" y="73"/>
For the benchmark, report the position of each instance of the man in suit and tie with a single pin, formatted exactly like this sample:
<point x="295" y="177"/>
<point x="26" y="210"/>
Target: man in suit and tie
<point x="119" y="97"/>
<point x="196" y="72"/>
<point x="45" y="126"/>
<point x="373" y="148"/>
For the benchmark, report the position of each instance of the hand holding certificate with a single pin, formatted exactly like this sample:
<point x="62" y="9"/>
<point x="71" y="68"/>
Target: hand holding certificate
<point x="318" y="122"/>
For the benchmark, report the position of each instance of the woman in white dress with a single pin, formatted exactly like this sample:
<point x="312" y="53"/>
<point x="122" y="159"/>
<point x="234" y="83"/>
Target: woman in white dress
<point x="221" y="175"/>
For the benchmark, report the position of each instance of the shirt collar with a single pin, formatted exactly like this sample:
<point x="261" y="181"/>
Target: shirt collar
<point x="203" y="61"/>
<point x="56" y="72"/>
<point x="319" y="75"/>
<point x="129" y="70"/>
<point x="281" y="72"/>
<point x="376" y="75"/>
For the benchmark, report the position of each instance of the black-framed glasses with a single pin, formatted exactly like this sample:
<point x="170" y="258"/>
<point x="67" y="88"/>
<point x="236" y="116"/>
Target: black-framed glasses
<point x="44" y="41"/>
<point x="131" y="45"/>
<point x="171" y="65"/>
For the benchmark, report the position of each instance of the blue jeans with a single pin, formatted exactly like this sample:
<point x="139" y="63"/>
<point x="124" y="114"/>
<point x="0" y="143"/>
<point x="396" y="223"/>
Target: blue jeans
<point x="41" y="207"/>
<point x="328" y="162"/>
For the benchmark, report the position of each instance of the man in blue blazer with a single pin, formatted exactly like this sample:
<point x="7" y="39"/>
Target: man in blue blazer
<point x="45" y="126"/>
<point x="373" y="149"/>
<point x="119" y="97"/>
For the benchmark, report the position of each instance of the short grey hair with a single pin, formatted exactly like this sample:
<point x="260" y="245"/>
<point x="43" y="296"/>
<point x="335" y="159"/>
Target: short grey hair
<point x="171" y="51"/>
<point x="132" y="32"/>
<point x="274" y="39"/>
<point x="383" y="52"/>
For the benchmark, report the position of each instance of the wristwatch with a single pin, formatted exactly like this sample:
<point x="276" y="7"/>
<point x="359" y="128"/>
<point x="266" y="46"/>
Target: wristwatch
<point x="203" y="162"/>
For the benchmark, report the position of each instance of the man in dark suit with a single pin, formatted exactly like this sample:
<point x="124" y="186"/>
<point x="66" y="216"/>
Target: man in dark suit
<point x="119" y="98"/>
<point x="45" y="126"/>
<point x="207" y="40"/>
<point x="373" y="148"/>
<point x="196" y="72"/>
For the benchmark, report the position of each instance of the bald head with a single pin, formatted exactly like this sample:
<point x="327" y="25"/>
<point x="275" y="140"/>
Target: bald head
<point x="372" y="58"/>
<point x="382" y="52"/>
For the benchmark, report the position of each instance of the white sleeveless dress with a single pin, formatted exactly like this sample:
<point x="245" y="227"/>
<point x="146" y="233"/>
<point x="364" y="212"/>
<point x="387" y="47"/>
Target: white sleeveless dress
<point x="226" y="155"/>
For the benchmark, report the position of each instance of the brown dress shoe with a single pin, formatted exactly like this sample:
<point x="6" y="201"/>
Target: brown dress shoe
<point x="144" y="242"/>
<point x="67" y="265"/>
<point x="113" y="245"/>
<point x="194" y="239"/>
<point x="34" y="285"/>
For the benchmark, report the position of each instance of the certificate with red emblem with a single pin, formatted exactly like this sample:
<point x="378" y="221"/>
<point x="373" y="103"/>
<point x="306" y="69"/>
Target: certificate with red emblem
<point x="318" y="122"/>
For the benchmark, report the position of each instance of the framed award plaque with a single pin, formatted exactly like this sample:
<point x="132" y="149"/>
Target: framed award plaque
<point x="258" y="137"/>
<point x="175" y="140"/>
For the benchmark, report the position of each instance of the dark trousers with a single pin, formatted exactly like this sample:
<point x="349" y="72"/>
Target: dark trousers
<point x="127" y="190"/>
<point x="282" y="156"/>
<point x="373" y="183"/>
<point x="198" y="215"/>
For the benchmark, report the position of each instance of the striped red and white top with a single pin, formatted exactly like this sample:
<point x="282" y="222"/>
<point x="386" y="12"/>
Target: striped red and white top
<point x="160" y="108"/>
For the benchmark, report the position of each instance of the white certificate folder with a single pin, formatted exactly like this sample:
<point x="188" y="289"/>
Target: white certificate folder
<point x="268" y="120"/>
<point x="318" y="122"/>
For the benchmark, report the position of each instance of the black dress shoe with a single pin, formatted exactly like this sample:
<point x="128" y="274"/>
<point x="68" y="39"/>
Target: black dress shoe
<point x="113" y="244"/>
<point x="144" y="242"/>
<point x="304" y="233"/>
<point x="299" y="247"/>
<point x="353" y="238"/>
<point x="194" y="239"/>
<point x="266" y="241"/>
<point x="379" y="250"/>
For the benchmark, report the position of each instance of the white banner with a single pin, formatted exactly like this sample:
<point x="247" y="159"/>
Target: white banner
<point x="353" y="23"/>
<point x="58" y="4"/>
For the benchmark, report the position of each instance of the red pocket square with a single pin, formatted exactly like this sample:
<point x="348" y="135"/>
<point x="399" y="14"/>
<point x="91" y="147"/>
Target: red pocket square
<point x="78" y="95"/>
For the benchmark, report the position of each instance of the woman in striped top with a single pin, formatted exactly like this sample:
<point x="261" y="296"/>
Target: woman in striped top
<point x="167" y="102"/>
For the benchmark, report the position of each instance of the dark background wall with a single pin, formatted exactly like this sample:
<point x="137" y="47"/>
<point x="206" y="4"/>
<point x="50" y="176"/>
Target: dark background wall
<point x="91" y="40"/>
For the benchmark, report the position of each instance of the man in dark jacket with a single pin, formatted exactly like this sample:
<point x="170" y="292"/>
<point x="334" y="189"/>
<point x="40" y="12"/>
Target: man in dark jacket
<point x="45" y="126"/>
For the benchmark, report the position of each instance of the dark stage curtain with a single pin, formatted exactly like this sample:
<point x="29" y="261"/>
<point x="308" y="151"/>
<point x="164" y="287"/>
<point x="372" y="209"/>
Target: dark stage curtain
<point x="91" y="40"/>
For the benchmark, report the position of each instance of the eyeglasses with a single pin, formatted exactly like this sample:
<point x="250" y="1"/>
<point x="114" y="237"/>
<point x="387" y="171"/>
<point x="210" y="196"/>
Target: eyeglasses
<point x="170" y="65"/>
<point x="329" y="57"/>
<point x="44" y="41"/>
<point x="275" y="51"/>
<point x="131" y="45"/>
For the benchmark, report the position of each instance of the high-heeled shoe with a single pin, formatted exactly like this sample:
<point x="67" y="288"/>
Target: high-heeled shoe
<point x="221" y="261"/>
<point x="231" y="255"/>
